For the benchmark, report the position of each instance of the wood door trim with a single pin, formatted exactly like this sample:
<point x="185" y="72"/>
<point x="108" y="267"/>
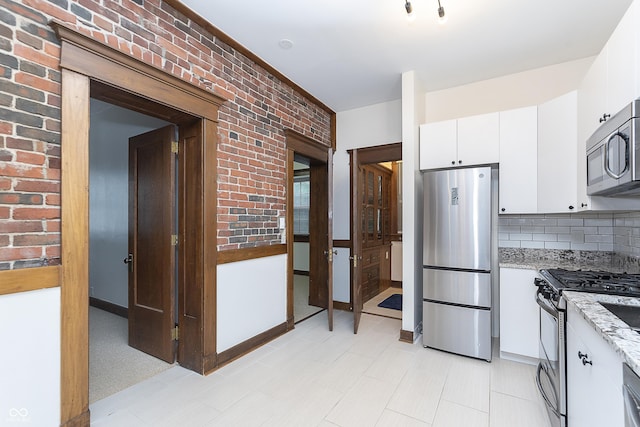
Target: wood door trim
<point x="342" y="243"/>
<point x="406" y="336"/>
<point x="91" y="58"/>
<point x="251" y="344"/>
<point x="245" y="254"/>
<point x="29" y="279"/>
<point x="305" y="146"/>
<point x="379" y="153"/>
<point x="74" y="273"/>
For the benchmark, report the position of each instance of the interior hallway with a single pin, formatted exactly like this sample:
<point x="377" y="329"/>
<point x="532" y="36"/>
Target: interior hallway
<point x="313" y="377"/>
<point x="371" y="306"/>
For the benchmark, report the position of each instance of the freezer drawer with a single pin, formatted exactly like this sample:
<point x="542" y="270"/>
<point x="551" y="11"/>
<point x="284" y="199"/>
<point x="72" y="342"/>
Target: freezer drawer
<point x="460" y="330"/>
<point x="458" y="287"/>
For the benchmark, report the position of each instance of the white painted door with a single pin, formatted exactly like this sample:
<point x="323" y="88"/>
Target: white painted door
<point x="438" y="145"/>
<point x="478" y="139"/>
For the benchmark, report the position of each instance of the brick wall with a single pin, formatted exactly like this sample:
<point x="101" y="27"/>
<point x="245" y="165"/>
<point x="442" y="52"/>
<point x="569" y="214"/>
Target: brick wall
<point x="251" y="147"/>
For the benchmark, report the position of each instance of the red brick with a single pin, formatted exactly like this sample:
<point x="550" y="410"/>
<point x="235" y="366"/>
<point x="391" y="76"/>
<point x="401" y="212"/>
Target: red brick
<point x="6" y="128"/>
<point x="39" y="57"/>
<point x="20" y="226"/>
<point x="50" y="9"/>
<point x="13" y="254"/>
<point x="38" y="186"/>
<point x="30" y="158"/>
<point x="37" y="82"/>
<point x="53" y="252"/>
<point x="36" y="239"/>
<point x="21" y="171"/>
<point x="5" y="184"/>
<point x="4" y="241"/>
<point x="53" y="200"/>
<point x="36" y="213"/>
<point x="53" y="226"/>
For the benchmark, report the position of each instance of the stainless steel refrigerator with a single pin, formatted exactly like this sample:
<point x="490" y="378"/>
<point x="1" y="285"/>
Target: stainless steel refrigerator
<point x="457" y="261"/>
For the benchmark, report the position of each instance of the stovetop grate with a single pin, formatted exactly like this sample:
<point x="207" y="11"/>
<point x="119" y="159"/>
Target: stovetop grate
<point x="593" y="281"/>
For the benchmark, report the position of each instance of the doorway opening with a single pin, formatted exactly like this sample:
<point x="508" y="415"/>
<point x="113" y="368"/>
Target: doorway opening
<point x="376" y="225"/>
<point x="113" y="364"/>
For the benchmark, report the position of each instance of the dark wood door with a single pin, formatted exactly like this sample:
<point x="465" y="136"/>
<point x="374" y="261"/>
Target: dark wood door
<point x="151" y="249"/>
<point x="357" y="219"/>
<point x="321" y="236"/>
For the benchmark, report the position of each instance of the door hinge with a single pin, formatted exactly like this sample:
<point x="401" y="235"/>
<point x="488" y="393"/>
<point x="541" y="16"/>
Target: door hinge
<point x="175" y="334"/>
<point x="174" y="147"/>
<point x="174" y="240"/>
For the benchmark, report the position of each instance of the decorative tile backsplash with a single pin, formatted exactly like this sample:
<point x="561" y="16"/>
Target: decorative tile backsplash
<point x="617" y="232"/>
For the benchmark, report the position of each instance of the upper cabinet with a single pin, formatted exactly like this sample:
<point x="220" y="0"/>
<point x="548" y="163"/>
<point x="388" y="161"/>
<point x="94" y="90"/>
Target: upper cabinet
<point x="467" y="141"/>
<point x="557" y="161"/>
<point x="518" y="186"/>
<point x="614" y="79"/>
<point x="612" y="82"/>
<point x="438" y="144"/>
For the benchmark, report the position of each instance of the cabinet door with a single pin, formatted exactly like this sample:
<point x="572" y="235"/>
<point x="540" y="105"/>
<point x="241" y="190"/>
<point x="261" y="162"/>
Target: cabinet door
<point x="592" y="97"/>
<point x="519" y="313"/>
<point x="438" y="145"/>
<point x="592" y="387"/>
<point x="518" y="161"/>
<point x="479" y="139"/>
<point x="622" y="75"/>
<point x="557" y="162"/>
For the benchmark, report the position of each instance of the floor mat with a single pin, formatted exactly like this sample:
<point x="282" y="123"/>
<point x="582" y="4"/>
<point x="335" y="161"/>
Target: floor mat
<point x="393" y="302"/>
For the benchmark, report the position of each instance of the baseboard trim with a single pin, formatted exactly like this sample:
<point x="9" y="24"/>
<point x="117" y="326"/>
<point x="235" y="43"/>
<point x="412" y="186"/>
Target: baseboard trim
<point x="110" y="307"/>
<point x="251" y="344"/>
<point x="406" y="336"/>
<point x="339" y="305"/>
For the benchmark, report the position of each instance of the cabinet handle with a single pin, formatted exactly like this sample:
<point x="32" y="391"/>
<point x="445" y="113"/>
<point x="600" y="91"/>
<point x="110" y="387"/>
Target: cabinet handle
<point x="604" y="117"/>
<point x="570" y="207"/>
<point x="453" y="162"/>
<point x="459" y="162"/>
<point x="503" y="209"/>
<point x="583" y="205"/>
<point x="585" y="358"/>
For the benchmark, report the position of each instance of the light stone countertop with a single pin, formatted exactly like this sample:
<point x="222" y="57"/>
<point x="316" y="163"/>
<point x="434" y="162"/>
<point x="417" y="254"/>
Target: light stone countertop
<point x="624" y="340"/>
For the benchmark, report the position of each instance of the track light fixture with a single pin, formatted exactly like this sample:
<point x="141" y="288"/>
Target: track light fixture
<point x="409" y="8"/>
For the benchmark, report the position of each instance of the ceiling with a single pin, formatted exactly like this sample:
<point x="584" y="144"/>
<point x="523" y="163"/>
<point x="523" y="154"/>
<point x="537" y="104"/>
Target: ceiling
<point x="352" y="53"/>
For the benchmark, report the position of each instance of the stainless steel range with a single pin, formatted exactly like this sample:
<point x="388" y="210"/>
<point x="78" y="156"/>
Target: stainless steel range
<point x="552" y="370"/>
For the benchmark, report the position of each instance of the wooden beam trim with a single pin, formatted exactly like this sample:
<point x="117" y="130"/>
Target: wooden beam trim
<point x="306" y="146"/>
<point x="92" y="58"/>
<point x="29" y="279"/>
<point x="379" y="153"/>
<point x="245" y="254"/>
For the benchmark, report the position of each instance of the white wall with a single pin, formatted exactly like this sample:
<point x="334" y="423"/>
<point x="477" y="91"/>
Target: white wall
<point x="369" y="126"/>
<point x="30" y="358"/>
<point x="412" y="210"/>
<point x="512" y="91"/>
<point x="109" y="134"/>
<point x="252" y="298"/>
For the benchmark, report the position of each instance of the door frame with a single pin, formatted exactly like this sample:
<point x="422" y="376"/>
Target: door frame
<point x="358" y="157"/>
<point x="89" y="68"/>
<point x="321" y="154"/>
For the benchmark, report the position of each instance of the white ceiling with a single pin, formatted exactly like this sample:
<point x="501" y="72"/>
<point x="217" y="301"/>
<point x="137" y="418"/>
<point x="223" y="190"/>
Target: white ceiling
<point x="351" y="53"/>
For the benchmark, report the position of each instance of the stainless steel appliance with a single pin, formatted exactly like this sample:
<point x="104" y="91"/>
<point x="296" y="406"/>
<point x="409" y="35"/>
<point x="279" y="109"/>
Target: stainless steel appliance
<point x="631" y="393"/>
<point x="457" y="261"/>
<point x="613" y="155"/>
<point x="552" y="370"/>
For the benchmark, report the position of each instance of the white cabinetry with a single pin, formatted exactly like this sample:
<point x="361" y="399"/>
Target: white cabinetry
<point x="463" y="142"/>
<point x="518" y="161"/>
<point x="519" y="315"/>
<point x="438" y="144"/>
<point x="594" y="388"/>
<point x="613" y="80"/>
<point x="557" y="162"/>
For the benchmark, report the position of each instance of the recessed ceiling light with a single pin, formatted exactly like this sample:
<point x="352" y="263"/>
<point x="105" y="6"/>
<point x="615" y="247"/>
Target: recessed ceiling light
<point x="285" y="44"/>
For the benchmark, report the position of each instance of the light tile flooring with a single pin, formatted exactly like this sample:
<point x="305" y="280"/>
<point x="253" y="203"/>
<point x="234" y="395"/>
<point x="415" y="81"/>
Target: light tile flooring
<point x="313" y="377"/>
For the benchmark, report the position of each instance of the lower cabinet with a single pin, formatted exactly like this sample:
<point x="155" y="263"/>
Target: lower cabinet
<point x="376" y="271"/>
<point x="594" y="376"/>
<point x="519" y="315"/>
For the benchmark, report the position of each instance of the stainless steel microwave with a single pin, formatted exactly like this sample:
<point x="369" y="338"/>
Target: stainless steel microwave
<point x="613" y="155"/>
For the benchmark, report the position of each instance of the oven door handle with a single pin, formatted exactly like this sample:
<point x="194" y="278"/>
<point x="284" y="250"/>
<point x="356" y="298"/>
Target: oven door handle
<point x="631" y="405"/>
<point x="544" y="396"/>
<point x="542" y="302"/>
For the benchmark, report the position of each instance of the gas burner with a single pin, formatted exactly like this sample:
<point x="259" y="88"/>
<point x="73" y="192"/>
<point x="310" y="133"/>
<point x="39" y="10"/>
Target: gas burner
<point x="593" y="281"/>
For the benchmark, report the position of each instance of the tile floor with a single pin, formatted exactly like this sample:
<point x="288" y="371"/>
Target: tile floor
<point x="313" y="377"/>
